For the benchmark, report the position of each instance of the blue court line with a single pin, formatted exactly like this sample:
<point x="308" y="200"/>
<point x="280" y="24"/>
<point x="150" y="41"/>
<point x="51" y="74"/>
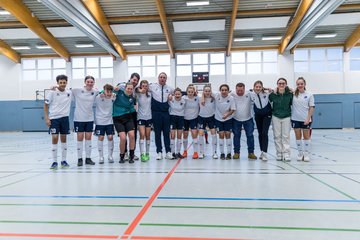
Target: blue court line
<point x="189" y="198"/>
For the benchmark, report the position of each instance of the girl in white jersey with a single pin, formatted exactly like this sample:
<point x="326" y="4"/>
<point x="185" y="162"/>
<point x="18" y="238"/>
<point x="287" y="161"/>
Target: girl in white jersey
<point x="191" y="119"/>
<point x="104" y="122"/>
<point x="302" y="110"/>
<point x="206" y="119"/>
<point x="84" y="118"/>
<point x="177" y="109"/>
<point x="144" y="119"/>
<point x="224" y="108"/>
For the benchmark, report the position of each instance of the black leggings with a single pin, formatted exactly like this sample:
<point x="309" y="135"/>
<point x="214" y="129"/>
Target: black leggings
<point x="263" y="123"/>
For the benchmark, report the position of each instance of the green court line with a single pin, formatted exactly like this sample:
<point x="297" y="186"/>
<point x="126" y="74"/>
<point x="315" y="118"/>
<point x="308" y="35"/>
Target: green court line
<point x="250" y="227"/>
<point x="181" y="207"/>
<point x="332" y="187"/>
<point x="189" y="225"/>
<point x="65" y="222"/>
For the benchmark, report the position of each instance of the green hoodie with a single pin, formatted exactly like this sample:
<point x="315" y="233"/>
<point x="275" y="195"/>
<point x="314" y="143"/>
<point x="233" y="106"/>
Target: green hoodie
<point x="281" y="103"/>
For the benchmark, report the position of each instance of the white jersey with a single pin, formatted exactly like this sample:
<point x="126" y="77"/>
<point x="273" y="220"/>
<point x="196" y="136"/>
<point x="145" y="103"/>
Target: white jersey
<point x="144" y="106"/>
<point x="300" y="106"/>
<point x="243" y="107"/>
<point x="260" y="100"/>
<point x="160" y="92"/>
<point x="59" y="103"/>
<point x="207" y="110"/>
<point x="191" y="107"/>
<point x="177" y="108"/>
<point x="103" y="111"/>
<point x="223" y="105"/>
<point x="84" y="102"/>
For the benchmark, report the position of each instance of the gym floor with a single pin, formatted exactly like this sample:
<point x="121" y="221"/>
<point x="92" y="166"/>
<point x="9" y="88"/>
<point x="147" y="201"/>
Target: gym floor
<point x="181" y="199"/>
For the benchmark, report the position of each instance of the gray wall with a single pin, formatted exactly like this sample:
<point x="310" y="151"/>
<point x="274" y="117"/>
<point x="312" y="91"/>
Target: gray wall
<point x="331" y="111"/>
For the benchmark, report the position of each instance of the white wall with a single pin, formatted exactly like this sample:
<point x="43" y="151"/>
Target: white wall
<point x="13" y="88"/>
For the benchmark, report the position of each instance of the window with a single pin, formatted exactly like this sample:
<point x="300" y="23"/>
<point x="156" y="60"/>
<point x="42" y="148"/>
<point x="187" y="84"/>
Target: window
<point x="318" y="60"/>
<point x="355" y="59"/>
<point x="149" y="65"/>
<point x="254" y="62"/>
<point x="98" y="67"/>
<point x="42" y="69"/>
<point x="214" y="63"/>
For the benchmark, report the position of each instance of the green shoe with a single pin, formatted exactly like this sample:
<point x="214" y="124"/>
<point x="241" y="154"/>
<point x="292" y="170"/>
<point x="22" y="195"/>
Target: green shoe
<point x="143" y="157"/>
<point x="147" y="156"/>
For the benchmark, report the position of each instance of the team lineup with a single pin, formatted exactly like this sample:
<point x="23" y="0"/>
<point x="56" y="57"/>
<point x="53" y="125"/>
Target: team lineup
<point x="140" y="106"/>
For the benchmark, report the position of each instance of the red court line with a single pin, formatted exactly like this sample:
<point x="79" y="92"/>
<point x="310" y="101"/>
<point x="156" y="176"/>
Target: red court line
<point x="40" y="235"/>
<point x="148" y="204"/>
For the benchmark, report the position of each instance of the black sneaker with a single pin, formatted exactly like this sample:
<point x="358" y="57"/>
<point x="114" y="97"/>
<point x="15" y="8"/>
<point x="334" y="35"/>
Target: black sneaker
<point x="175" y="156"/>
<point x="228" y="156"/>
<point x="64" y="164"/>
<point x="131" y="160"/>
<point x="222" y="156"/>
<point x="54" y="166"/>
<point x="89" y="161"/>
<point x="122" y="161"/>
<point x="179" y="156"/>
<point x="80" y="162"/>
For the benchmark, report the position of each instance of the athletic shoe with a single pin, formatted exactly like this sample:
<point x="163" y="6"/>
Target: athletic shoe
<point x="136" y="157"/>
<point x="264" y="157"/>
<point x="101" y="160"/>
<point x="159" y="156"/>
<point x="169" y="156"/>
<point x="122" y="161"/>
<point x="306" y="157"/>
<point x="222" y="156"/>
<point x="143" y="157"/>
<point x="236" y="156"/>
<point x="54" y="166"/>
<point x="88" y="161"/>
<point x="300" y="156"/>
<point x="64" y="164"/>
<point x="215" y="156"/>
<point x="261" y="155"/>
<point x="126" y="158"/>
<point x="201" y="156"/>
<point x="111" y="160"/>
<point x="228" y="156"/>
<point x="147" y="155"/>
<point x="131" y="160"/>
<point x="252" y="156"/>
<point x="184" y="154"/>
<point x="80" y="162"/>
<point x="178" y="155"/>
<point x="287" y="159"/>
<point x="174" y="156"/>
<point x="279" y="157"/>
<point x="195" y="155"/>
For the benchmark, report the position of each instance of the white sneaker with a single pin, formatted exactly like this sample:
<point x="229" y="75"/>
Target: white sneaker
<point x="264" y="157"/>
<point x="159" y="156"/>
<point x="306" y="157"/>
<point x="126" y="158"/>
<point x="287" y="159"/>
<point x="215" y="156"/>
<point x="300" y="156"/>
<point x="261" y="155"/>
<point x="201" y="156"/>
<point x="136" y="157"/>
<point x="111" y="160"/>
<point x="279" y="157"/>
<point x="169" y="156"/>
<point x="101" y="160"/>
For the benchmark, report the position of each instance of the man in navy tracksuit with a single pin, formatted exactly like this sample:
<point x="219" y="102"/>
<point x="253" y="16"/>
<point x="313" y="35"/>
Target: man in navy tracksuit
<point x="160" y="114"/>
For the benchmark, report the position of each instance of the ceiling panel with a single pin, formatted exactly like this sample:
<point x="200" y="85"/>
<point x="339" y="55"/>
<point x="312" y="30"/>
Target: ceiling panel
<point x="143" y="39"/>
<point x="116" y="8"/>
<point x="175" y="6"/>
<point x="257" y="34"/>
<point x="267" y="4"/>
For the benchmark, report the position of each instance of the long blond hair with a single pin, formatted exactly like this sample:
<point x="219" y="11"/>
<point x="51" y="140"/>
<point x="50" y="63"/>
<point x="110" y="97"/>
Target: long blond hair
<point x="297" y="90"/>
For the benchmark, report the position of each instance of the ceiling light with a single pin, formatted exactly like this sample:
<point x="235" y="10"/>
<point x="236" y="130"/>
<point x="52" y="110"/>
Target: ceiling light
<point x="84" y="45"/>
<point x="200" y="40"/>
<point x="157" y="42"/>
<point x="196" y="3"/>
<point x="21" y="47"/>
<point x="3" y="12"/>
<point x="42" y="46"/>
<point x="269" y="38"/>
<point x="243" y="39"/>
<point x="325" y="35"/>
<point x="131" y="44"/>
